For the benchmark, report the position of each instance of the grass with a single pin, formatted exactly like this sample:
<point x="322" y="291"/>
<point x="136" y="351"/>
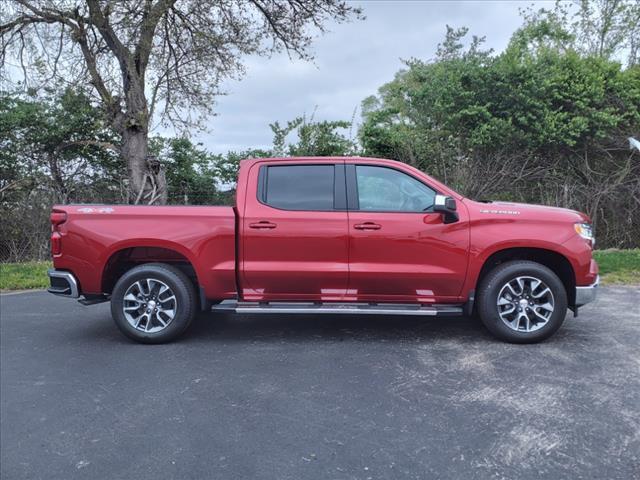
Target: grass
<point x="619" y="266"/>
<point x="22" y="276"/>
<point x="616" y="267"/>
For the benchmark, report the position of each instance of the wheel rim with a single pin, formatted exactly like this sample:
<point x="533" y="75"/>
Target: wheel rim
<point x="525" y="304"/>
<point x="149" y="305"/>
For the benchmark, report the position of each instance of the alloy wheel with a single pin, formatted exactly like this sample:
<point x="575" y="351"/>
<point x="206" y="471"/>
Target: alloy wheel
<point x="525" y="304"/>
<point x="149" y="305"/>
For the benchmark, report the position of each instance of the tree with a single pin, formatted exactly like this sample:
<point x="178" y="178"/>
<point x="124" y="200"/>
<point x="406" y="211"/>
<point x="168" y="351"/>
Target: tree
<point x="607" y="28"/>
<point x="196" y="176"/>
<point x="226" y="167"/>
<point x="51" y="151"/>
<point x="543" y="122"/>
<point x="314" y="139"/>
<point x="143" y="59"/>
<point x="603" y="28"/>
<point x="57" y="141"/>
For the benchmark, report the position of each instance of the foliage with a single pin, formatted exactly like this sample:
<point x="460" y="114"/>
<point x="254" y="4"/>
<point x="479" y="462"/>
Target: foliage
<point x="596" y="28"/>
<point x="226" y="166"/>
<point x="51" y="151"/>
<point x="314" y="139"/>
<point x="540" y="123"/>
<point x="612" y="27"/>
<point x="58" y="139"/>
<point x="196" y="176"/>
<point x="323" y="138"/>
<point x="190" y="178"/>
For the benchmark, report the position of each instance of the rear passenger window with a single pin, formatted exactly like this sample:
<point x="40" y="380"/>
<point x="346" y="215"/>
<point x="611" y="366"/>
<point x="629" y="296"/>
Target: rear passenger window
<point x="299" y="187"/>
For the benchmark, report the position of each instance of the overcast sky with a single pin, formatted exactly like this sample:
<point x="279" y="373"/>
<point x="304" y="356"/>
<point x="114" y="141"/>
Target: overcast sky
<point x="352" y="61"/>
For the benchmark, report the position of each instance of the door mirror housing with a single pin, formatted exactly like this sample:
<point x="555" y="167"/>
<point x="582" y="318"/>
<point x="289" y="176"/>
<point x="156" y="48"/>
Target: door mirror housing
<point x="447" y="206"/>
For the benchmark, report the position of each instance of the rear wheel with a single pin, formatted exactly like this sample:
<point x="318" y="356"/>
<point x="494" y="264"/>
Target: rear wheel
<point x="522" y="302"/>
<point x="153" y="303"/>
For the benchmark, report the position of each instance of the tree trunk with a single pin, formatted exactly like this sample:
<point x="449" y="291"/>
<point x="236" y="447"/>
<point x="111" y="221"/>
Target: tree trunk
<point x="134" y="153"/>
<point x="147" y="182"/>
<point x="61" y="192"/>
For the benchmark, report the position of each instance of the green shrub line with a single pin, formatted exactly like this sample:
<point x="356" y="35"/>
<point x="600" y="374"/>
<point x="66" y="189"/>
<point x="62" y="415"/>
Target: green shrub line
<point x="617" y="267"/>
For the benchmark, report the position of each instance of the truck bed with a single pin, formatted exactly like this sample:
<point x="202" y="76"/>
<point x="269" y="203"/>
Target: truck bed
<point x="93" y="236"/>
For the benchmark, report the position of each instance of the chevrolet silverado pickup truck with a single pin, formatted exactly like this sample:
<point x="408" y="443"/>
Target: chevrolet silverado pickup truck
<point x="345" y="235"/>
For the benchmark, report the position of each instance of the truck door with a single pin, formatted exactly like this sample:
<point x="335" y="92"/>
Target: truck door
<point x="400" y="250"/>
<point x="294" y="239"/>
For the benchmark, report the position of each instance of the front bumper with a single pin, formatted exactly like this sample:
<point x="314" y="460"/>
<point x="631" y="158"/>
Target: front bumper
<point x="63" y="284"/>
<point x="587" y="294"/>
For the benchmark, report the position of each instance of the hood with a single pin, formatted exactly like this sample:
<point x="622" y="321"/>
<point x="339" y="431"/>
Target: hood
<point x="524" y="211"/>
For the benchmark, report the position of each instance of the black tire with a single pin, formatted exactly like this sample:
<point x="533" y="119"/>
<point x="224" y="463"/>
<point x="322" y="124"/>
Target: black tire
<point x="489" y="290"/>
<point x="181" y="287"/>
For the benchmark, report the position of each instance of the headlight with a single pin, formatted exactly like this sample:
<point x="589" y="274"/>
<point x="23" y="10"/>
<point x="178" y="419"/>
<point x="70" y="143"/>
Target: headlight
<point x="585" y="231"/>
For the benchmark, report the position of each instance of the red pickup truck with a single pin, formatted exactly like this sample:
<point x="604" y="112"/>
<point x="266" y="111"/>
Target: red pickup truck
<point x="328" y="235"/>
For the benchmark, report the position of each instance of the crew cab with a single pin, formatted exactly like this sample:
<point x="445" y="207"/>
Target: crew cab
<point x="321" y="235"/>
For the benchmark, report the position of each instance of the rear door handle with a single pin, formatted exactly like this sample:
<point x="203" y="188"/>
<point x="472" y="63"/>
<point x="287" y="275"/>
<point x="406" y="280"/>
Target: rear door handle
<point x="367" y="226"/>
<point x="263" y="224"/>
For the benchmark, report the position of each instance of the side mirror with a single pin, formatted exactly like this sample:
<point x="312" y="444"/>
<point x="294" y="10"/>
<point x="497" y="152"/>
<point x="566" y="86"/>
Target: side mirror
<point x="446" y="206"/>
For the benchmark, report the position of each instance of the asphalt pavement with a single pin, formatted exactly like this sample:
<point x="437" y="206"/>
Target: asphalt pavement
<point x="317" y="397"/>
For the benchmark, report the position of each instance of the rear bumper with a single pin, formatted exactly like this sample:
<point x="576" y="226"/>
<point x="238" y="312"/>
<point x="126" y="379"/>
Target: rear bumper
<point x="587" y="294"/>
<point x="63" y="284"/>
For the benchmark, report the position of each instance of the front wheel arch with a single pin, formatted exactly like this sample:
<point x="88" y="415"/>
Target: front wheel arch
<point x="554" y="261"/>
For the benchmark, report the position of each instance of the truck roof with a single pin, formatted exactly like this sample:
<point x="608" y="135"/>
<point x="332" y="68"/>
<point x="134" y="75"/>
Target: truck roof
<point x="249" y="162"/>
<point x="315" y="159"/>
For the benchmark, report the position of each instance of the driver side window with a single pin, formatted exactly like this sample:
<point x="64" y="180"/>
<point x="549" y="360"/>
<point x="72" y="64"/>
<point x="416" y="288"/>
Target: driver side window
<point x="382" y="189"/>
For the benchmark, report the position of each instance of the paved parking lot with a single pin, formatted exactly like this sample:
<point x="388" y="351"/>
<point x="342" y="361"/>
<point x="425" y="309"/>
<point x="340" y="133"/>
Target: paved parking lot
<point x="317" y="397"/>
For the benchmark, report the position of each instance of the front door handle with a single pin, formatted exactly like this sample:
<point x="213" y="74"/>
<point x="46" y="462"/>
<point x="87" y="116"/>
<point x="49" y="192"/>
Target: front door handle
<point x="263" y="224"/>
<point x="367" y="226"/>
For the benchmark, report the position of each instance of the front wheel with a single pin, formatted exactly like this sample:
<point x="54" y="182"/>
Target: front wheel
<point x="522" y="302"/>
<point x="153" y="303"/>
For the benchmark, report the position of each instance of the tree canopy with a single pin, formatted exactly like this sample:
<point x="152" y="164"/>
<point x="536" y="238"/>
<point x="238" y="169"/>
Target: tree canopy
<point x="545" y="121"/>
<point x="148" y="59"/>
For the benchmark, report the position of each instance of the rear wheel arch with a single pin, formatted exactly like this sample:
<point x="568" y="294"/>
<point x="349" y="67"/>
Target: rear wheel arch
<point x="124" y="259"/>
<point x="556" y="262"/>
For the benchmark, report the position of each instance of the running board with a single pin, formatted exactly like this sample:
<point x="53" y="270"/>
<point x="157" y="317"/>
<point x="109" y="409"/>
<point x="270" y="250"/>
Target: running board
<point x="341" y="308"/>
